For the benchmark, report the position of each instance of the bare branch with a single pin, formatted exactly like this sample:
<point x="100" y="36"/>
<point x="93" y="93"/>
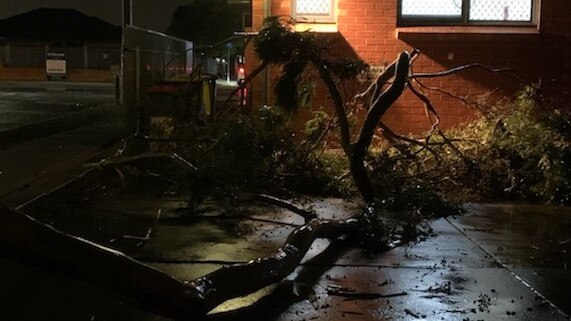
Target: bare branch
<point x="352" y="295"/>
<point x="140" y="239"/>
<point x="384" y="78"/>
<point x="428" y="108"/>
<point x="444" y="92"/>
<point x="448" y="72"/>
<point x="448" y="142"/>
<point x="390" y="134"/>
<point x="143" y="157"/>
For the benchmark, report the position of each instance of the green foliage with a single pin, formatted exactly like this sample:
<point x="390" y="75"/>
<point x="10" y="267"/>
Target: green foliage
<point x="278" y="43"/>
<point x="287" y="84"/>
<point x="514" y="151"/>
<point x="382" y="229"/>
<point x="401" y="188"/>
<point x="306" y="92"/>
<point x="532" y="146"/>
<point x="228" y="162"/>
<point x="347" y="68"/>
<point x="316" y="126"/>
<point x="303" y="171"/>
<point x="256" y="153"/>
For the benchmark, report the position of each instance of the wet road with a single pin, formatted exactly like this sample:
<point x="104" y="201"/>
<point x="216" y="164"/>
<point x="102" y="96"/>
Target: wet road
<point x="24" y="103"/>
<point x="48" y="128"/>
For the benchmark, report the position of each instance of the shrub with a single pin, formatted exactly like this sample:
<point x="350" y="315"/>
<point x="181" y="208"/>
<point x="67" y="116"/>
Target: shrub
<point x="517" y="150"/>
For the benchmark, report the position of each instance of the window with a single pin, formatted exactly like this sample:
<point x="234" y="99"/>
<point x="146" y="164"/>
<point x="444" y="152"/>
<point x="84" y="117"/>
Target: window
<point x="314" y="11"/>
<point x="497" y="12"/>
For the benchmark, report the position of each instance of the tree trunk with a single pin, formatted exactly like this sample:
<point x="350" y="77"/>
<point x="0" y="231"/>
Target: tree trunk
<point x="243" y="279"/>
<point x="146" y="287"/>
<point x="382" y="101"/>
<point x="361" y="177"/>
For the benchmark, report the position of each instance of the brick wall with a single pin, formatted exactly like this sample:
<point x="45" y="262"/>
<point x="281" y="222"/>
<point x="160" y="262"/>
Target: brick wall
<point x="368" y="27"/>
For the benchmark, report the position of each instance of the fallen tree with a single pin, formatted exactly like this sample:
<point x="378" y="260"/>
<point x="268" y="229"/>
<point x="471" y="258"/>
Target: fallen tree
<point x="146" y="287"/>
<point x="278" y="44"/>
<point x="153" y="290"/>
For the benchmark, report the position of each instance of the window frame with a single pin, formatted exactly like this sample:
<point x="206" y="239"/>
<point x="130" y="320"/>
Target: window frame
<point x="463" y="19"/>
<point x="303" y="18"/>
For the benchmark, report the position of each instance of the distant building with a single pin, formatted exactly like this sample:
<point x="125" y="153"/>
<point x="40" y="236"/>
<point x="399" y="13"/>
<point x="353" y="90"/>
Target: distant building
<point x="88" y="43"/>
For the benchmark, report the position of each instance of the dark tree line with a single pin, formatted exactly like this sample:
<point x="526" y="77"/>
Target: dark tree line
<point x="205" y="21"/>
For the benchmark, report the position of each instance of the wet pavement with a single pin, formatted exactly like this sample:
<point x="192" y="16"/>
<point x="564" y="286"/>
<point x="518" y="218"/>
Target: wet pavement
<point x="489" y="264"/>
<point x="533" y="242"/>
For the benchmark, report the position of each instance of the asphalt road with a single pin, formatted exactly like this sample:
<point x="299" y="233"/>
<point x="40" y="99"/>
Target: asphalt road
<point x="27" y="102"/>
<point x="49" y="129"/>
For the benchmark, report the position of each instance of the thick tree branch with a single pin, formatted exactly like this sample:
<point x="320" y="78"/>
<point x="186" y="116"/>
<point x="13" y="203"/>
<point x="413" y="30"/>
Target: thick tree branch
<point x="72" y="256"/>
<point x="243" y="279"/>
<point x="145" y="286"/>
<point x="389" y="73"/>
<point x="383" y="102"/>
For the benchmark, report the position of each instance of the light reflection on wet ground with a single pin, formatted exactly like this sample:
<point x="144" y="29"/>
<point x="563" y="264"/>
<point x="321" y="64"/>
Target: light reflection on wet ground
<point x="533" y="241"/>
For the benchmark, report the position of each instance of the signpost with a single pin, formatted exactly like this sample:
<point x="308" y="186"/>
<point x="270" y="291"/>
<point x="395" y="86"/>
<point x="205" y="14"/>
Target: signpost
<point x="56" y="65"/>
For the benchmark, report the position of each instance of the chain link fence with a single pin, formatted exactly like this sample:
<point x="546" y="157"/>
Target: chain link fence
<point x="89" y="56"/>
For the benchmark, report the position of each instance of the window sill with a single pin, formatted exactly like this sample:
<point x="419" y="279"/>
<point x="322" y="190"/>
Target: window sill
<point x="489" y="30"/>
<point x="316" y="27"/>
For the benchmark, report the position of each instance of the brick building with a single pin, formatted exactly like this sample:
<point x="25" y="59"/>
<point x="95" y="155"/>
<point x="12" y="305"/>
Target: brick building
<point x="531" y="36"/>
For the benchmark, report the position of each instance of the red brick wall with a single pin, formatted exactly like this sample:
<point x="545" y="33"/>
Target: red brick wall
<point x="369" y="28"/>
<point x="556" y="17"/>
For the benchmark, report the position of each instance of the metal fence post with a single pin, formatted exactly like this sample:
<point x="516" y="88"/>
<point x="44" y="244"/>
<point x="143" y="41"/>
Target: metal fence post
<point x="138" y="74"/>
<point x="85" y="57"/>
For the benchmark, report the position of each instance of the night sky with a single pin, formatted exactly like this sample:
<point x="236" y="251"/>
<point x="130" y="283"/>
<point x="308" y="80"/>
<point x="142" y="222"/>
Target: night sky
<point x="151" y="14"/>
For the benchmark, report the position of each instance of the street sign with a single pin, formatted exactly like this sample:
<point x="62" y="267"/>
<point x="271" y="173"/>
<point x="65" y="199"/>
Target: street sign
<point x="56" y="65"/>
